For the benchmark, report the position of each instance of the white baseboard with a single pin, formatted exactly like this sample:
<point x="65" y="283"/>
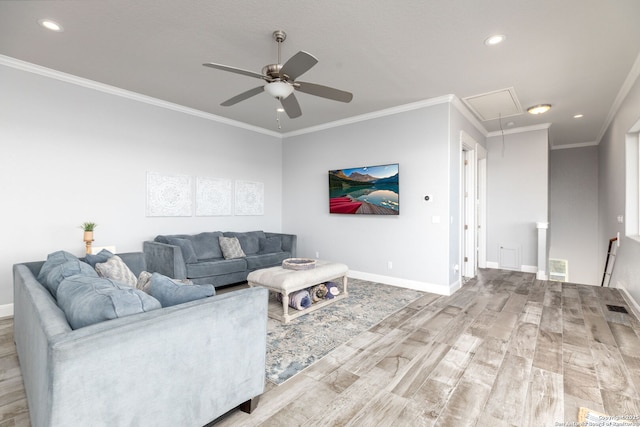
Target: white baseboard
<point x="523" y="268"/>
<point x="404" y="283"/>
<point x="635" y="308"/>
<point x="6" y="310"/>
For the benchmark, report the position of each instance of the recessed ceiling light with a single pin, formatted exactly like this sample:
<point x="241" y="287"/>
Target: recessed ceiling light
<point x="539" y="109"/>
<point x="51" y="25"/>
<point x="578" y="116"/>
<point x="494" y="39"/>
<point x="280" y="110"/>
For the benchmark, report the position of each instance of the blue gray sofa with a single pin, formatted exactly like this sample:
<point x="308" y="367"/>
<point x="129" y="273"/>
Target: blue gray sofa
<point x="183" y="365"/>
<point x="198" y="257"/>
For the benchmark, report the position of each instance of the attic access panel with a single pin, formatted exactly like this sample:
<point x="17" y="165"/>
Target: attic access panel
<point x="494" y="105"/>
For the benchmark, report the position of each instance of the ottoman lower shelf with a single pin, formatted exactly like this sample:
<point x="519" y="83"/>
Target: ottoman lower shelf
<point x="276" y="311"/>
<point x="284" y="282"/>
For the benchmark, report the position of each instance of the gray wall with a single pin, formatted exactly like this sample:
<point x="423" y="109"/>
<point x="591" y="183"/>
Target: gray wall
<point x="517" y="195"/>
<point x="573" y="194"/>
<point x="611" y="191"/>
<point x="70" y="154"/>
<point x="418" y="247"/>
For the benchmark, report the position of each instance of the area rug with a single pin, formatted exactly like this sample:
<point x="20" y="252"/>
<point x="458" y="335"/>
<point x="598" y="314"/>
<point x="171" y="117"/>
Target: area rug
<point x="305" y="340"/>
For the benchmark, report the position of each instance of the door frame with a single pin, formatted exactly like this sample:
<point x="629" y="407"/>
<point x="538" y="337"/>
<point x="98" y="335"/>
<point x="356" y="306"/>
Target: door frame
<point x="472" y="206"/>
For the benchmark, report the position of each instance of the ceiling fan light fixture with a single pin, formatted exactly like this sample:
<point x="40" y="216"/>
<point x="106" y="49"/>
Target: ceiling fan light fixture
<point x="539" y="109"/>
<point x="278" y="89"/>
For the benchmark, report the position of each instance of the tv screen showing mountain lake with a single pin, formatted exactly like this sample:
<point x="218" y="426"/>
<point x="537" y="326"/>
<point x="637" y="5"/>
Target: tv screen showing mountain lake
<point x="365" y="190"/>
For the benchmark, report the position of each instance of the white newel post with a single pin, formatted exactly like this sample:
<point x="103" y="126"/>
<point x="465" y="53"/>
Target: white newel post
<point x="542" y="250"/>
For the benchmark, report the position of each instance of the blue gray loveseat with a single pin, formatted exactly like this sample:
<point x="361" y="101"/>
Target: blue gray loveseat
<point x="181" y="365"/>
<point x="201" y="259"/>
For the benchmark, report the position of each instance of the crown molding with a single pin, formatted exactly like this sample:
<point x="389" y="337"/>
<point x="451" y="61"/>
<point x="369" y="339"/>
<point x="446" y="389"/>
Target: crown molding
<point x="466" y="112"/>
<point x="628" y="83"/>
<point x="576" y="145"/>
<point x="370" y="116"/>
<point x="112" y="90"/>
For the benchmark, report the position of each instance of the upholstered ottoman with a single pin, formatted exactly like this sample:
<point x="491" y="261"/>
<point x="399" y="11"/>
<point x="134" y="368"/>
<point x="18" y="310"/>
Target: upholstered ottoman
<point x="284" y="282"/>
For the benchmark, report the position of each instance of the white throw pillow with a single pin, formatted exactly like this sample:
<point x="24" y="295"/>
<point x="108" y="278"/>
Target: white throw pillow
<point x="116" y="269"/>
<point x="231" y="248"/>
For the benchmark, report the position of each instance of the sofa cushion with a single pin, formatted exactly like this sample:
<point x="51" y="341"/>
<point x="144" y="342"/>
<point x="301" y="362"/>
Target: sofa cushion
<point x="206" y="244"/>
<point x="186" y="246"/>
<point x="115" y="269"/>
<point x="87" y="300"/>
<point x="102" y="256"/>
<point x="231" y="247"/>
<point x="270" y="245"/>
<point x="249" y="240"/>
<point x="60" y="272"/>
<point x="215" y="267"/>
<point x="53" y="259"/>
<point x="255" y="262"/>
<point x="170" y="292"/>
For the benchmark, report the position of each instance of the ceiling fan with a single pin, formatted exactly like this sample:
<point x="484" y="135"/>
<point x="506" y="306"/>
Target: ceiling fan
<point x="281" y="81"/>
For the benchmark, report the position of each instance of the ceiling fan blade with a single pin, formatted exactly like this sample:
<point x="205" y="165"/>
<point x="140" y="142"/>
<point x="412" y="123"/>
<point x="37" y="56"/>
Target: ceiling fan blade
<point x="234" y="70"/>
<point x="243" y="96"/>
<point x="298" y="64"/>
<point x="291" y="106"/>
<point x="324" y="91"/>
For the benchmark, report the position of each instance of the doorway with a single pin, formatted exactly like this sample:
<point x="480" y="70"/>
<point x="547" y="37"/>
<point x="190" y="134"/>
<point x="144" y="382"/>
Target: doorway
<point x="473" y="206"/>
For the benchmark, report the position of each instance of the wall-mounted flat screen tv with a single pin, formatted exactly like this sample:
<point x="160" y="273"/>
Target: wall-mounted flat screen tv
<point x="372" y="190"/>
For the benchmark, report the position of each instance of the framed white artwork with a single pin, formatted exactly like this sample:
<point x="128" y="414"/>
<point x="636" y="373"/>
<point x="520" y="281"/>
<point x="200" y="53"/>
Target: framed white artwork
<point x="168" y="195"/>
<point x="249" y="198"/>
<point x="213" y="196"/>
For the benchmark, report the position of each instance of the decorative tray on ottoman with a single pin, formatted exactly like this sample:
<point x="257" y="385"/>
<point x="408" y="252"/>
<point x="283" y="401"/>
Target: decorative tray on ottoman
<point x="299" y="263"/>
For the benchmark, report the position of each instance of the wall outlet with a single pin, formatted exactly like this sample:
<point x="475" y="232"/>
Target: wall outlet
<point x="389" y="265"/>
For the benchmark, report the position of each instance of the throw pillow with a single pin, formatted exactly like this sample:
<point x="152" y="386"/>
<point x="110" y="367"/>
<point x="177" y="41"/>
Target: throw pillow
<point x="102" y="256"/>
<point x="116" y="269"/>
<point x="169" y="292"/>
<point x="231" y="248"/>
<point x="270" y="245"/>
<point x="53" y="259"/>
<point x="144" y="281"/>
<point x="67" y="269"/>
<point x="88" y="300"/>
<point x="185" y="245"/>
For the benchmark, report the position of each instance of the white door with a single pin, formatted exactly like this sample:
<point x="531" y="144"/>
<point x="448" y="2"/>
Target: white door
<point x="481" y="206"/>
<point x="468" y="205"/>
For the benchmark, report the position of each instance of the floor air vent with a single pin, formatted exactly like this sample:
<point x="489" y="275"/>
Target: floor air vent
<point x="617" y="308"/>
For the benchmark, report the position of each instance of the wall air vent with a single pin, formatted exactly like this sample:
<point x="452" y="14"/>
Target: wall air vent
<point x="559" y="270"/>
<point x="494" y="105"/>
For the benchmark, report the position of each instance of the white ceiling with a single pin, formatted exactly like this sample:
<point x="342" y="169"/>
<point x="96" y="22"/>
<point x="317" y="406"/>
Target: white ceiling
<point x="573" y="54"/>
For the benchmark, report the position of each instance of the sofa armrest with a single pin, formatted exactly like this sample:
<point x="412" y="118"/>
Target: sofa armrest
<point x="165" y="259"/>
<point x="289" y="242"/>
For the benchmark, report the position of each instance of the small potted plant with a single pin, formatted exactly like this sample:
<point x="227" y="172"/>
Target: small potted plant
<point x="88" y="228"/>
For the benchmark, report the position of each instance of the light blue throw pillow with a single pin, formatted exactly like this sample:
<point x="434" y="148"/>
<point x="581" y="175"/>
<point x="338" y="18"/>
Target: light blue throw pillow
<point x="88" y="300"/>
<point x="60" y="272"/>
<point x="100" y="257"/>
<point x="185" y="245"/>
<point x="53" y="259"/>
<point x="169" y="292"/>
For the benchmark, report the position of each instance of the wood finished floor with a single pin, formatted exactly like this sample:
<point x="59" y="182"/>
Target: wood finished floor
<point x="505" y="350"/>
